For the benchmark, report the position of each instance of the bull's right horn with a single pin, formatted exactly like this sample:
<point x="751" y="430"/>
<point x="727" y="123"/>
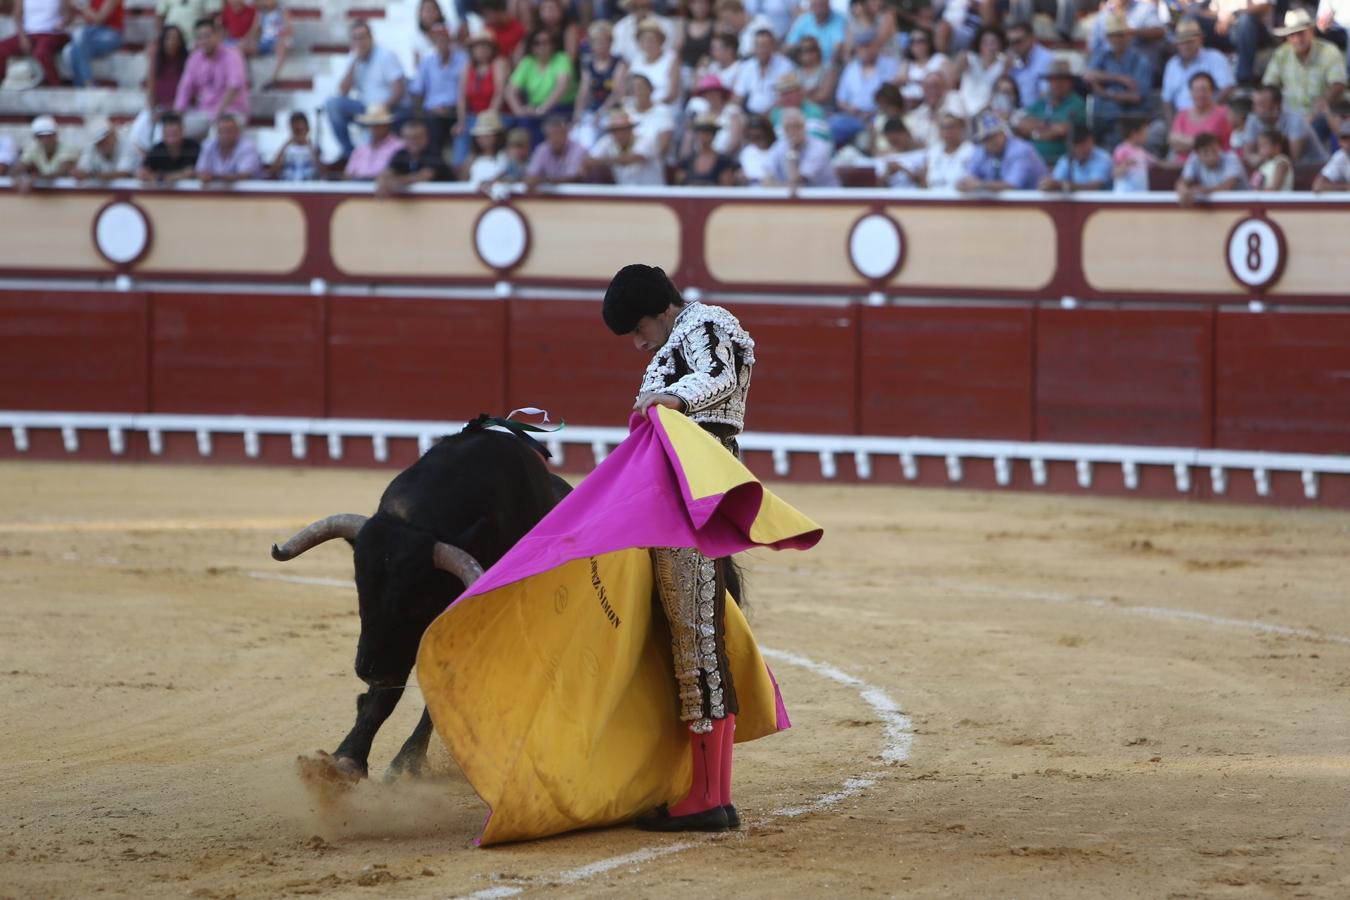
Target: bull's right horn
<point x="343" y="525"/>
<point x="455" y="561"/>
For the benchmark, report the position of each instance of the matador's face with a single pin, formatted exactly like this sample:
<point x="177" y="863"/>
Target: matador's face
<point x="652" y="332"/>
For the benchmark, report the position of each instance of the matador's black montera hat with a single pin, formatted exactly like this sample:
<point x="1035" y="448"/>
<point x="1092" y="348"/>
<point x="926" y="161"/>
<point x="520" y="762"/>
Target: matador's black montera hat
<point x="637" y="291"/>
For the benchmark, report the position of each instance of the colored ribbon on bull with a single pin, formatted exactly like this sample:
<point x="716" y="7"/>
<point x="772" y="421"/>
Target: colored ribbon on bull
<point x="519" y="429"/>
<point x="550" y="680"/>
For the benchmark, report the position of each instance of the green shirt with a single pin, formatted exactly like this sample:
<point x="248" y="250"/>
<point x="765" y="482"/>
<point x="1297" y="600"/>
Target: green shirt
<point x="1071" y="109"/>
<point x="816" y="121"/>
<point x="539" y="83"/>
<point x="1303" y="84"/>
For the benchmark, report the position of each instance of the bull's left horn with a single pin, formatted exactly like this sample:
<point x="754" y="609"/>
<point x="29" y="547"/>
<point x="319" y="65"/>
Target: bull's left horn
<point x="455" y="561"/>
<point x="343" y="525"/>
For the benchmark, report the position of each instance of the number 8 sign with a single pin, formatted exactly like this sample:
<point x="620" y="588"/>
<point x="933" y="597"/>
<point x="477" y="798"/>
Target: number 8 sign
<point x="1256" y="253"/>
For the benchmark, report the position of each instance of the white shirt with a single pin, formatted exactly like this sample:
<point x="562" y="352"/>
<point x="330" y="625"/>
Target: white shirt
<point x="41" y="16"/>
<point x="977" y="82"/>
<point x="625" y="35"/>
<point x="658" y="73"/>
<point x="910" y="161"/>
<point x="650" y="172"/>
<point x="946" y="169"/>
<point x="1337" y="169"/>
<point x="757" y="87"/>
<point x="650" y="125"/>
<point x="487" y="168"/>
<point x="923" y="124"/>
<point x="373" y="79"/>
<point x="757" y="23"/>
<point x="755" y="163"/>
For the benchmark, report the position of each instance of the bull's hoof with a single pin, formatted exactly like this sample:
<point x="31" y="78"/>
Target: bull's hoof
<point x="328" y="776"/>
<point x="399" y="769"/>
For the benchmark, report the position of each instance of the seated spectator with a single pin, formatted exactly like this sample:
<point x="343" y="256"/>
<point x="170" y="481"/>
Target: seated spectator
<point x="1269" y="114"/>
<point x="507" y="30"/>
<point x="482" y="89"/>
<point x="541" y="84"/>
<point x="519" y="144"/>
<point x="756" y="77"/>
<point x="1239" y="111"/>
<point x="822" y="23"/>
<point x="272" y="37"/>
<point x="1053" y="115"/>
<point x="184" y="14"/>
<point x="733" y="16"/>
<point x="373" y="78"/>
<point x="1335" y="175"/>
<point x="704" y="166"/>
<point x="215" y="81"/>
<point x="628" y="159"/>
<point x="818" y="81"/>
<point x="1201" y="116"/>
<point x="791" y="96"/>
<point x="902" y="166"/>
<point x="799" y="160"/>
<point x="889" y="105"/>
<point x="938" y="101"/>
<point x="107" y="156"/>
<point x="559" y="159"/>
<point x="435" y="86"/>
<point x="414" y="163"/>
<point x="855" y="98"/>
<point x="754" y="156"/>
<point x="165" y="60"/>
<point x="1209" y="169"/>
<point x="98" y="33"/>
<point x="603" y="76"/>
<point x="723" y="61"/>
<point x="1274" y="169"/>
<point x="920" y="61"/>
<point x="230" y="156"/>
<point x="237" y="20"/>
<point x="654" y="123"/>
<point x="1140" y="17"/>
<point x="1130" y="161"/>
<point x="174" y="158"/>
<point x="948" y="160"/>
<point x="1028" y="62"/>
<point x="1001" y="161"/>
<point x="713" y="98"/>
<point x="371" y="158"/>
<point x="1120" y="78"/>
<point x="957" y="22"/>
<point x="47" y="156"/>
<point x="1192" y="58"/>
<point x="695" y="24"/>
<point x="657" y="63"/>
<point x="429" y="13"/>
<point x="626" y="29"/>
<point x="1310" y="72"/>
<point x="298" y="158"/>
<point x="40" y="33"/>
<point x="1006" y="102"/>
<point x="1085" y="167"/>
<point x="874" y="15"/>
<point x="9" y="154"/>
<point x="488" y="161"/>
<point x="979" y="69"/>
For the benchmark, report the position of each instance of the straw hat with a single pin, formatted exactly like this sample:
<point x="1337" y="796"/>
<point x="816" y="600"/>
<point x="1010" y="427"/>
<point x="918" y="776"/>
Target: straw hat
<point x="376" y="114"/>
<point x="618" y="119"/>
<point x="1060" y="68"/>
<point x="1116" y="24"/>
<point x="488" y="122"/>
<point x="650" y="26"/>
<point x="788" y="81"/>
<point x="1295" y="20"/>
<point x="1187" y="30"/>
<point x="481" y="36"/>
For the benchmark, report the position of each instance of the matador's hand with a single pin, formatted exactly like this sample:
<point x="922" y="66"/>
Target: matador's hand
<point x="669" y="401"/>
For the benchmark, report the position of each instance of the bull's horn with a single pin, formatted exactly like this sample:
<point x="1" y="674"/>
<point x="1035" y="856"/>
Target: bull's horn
<point x="455" y="561"/>
<point x="344" y="525"/>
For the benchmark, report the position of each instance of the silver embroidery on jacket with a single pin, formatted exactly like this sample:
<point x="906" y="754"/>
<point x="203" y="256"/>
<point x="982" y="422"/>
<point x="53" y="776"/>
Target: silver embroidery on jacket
<point x="706" y="362"/>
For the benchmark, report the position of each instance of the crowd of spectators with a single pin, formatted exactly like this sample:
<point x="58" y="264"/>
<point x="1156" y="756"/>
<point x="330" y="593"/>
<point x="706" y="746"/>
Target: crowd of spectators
<point x="936" y="94"/>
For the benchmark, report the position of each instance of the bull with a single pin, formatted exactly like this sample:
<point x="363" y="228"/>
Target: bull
<point x="439" y="524"/>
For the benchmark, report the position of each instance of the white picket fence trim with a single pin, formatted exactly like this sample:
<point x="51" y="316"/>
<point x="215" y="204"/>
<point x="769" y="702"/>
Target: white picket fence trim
<point x="825" y="447"/>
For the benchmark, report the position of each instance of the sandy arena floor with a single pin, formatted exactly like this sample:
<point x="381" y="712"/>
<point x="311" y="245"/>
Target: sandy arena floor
<point x="1091" y="698"/>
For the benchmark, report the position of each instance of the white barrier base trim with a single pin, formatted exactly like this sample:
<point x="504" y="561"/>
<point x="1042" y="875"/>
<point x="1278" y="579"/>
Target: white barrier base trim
<point x="823" y="447"/>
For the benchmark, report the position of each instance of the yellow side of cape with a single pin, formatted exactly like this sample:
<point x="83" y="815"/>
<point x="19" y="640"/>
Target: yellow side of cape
<point x="555" y="696"/>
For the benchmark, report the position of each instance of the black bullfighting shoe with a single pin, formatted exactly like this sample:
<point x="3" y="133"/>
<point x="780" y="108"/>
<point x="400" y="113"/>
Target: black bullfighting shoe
<point x="733" y="817"/>
<point x="660" y="819"/>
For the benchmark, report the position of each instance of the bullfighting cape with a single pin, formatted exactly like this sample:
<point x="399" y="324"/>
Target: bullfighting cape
<point x="550" y="680"/>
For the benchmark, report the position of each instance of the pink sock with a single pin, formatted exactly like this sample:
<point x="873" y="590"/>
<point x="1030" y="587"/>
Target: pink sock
<point x="705" y="791"/>
<point x="728" y="745"/>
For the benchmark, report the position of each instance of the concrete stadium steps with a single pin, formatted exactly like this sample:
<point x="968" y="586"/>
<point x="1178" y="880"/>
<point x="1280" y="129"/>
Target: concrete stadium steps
<point x="84" y="102"/>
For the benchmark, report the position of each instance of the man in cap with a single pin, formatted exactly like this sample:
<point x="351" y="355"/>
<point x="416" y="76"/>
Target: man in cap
<point x="230" y="156"/>
<point x="1141" y="16"/>
<point x="1086" y="167"/>
<point x="855" y="98"/>
<point x="47" y="156"/>
<point x="1053" y="115"/>
<point x="1309" y="70"/>
<point x="107" y="156"/>
<point x="371" y="158"/>
<point x="1002" y="161"/>
<point x="628" y="159"/>
<point x="215" y="81"/>
<point x="1335" y="175"/>
<point x="1120" y="78"/>
<point x="701" y="364"/>
<point x="374" y="77"/>
<point x="1192" y="57"/>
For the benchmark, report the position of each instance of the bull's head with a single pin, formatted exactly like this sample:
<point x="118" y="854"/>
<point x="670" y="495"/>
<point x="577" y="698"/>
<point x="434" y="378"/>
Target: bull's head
<point x="400" y="589"/>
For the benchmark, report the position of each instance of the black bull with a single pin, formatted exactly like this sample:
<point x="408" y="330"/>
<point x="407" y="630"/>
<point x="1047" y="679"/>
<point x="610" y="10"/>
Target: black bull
<point x="440" y="523"/>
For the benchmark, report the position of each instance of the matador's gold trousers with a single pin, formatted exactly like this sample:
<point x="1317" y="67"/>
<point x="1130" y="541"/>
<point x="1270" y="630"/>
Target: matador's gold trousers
<point x="693" y="595"/>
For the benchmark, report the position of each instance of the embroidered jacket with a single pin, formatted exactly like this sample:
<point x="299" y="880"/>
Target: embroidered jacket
<point x="705" y="362"/>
